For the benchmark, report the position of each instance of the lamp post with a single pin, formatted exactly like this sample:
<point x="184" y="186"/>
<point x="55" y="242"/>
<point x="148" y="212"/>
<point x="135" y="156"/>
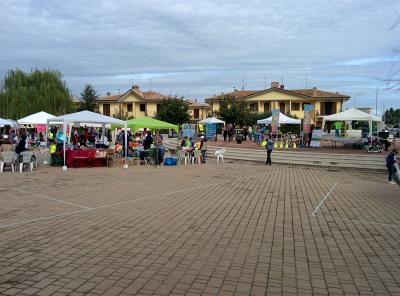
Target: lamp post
<point x="355" y="96"/>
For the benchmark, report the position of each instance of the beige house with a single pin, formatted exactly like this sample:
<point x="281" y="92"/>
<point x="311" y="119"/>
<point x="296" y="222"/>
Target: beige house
<point x="287" y="101"/>
<point x="137" y="103"/>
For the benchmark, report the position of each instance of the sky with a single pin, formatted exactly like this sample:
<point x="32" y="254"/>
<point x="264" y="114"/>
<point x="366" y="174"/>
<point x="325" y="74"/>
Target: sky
<point x="197" y="48"/>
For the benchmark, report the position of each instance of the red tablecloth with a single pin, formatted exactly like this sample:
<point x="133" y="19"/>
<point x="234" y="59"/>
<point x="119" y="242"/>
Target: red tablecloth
<point x="89" y="158"/>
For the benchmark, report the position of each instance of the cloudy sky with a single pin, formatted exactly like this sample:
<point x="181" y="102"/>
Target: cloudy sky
<point x="200" y="48"/>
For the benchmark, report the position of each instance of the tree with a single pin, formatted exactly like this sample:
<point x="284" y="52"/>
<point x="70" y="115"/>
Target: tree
<point x="122" y="114"/>
<point x="233" y="111"/>
<point x="392" y="116"/>
<point x="22" y="94"/>
<point x="88" y="98"/>
<point x="173" y="110"/>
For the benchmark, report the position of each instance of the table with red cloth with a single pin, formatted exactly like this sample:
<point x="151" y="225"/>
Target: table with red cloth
<point x="84" y="158"/>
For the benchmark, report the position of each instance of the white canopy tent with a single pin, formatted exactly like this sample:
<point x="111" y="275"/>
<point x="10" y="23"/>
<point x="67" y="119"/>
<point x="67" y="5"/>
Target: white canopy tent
<point x="212" y="120"/>
<point x="283" y="119"/>
<point x="37" y="118"/>
<point x="4" y="122"/>
<point x="350" y="115"/>
<point x="88" y="117"/>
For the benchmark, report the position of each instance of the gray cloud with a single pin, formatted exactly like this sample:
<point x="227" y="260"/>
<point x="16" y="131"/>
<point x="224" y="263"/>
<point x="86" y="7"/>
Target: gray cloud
<point x="198" y="48"/>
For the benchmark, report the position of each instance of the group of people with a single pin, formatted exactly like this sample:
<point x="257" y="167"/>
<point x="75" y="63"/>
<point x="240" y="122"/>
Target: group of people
<point x="14" y="140"/>
<point x="189" y="146"/>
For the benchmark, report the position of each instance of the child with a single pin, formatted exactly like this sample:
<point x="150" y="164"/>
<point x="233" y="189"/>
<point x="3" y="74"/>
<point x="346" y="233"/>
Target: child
<point x="390" y="161"/>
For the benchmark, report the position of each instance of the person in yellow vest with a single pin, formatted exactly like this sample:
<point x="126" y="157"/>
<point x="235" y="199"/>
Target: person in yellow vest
<point x="203" y="148"/>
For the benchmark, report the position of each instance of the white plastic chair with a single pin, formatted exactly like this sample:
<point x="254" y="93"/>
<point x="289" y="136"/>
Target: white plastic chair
<point x="8" y="157"/>
<point x="219" y="154"/>
<point x="183" y="155"/>
<point x="196" y="156"/>
<point x="26" y="159"/>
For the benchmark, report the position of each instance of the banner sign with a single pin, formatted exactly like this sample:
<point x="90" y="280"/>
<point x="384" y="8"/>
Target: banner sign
<point x="316" y="138"/>
<point x="275" y="120"/>
<point x="308" y="116"/>
<point x="189" y="130"/>
<point x="211" y="130"/>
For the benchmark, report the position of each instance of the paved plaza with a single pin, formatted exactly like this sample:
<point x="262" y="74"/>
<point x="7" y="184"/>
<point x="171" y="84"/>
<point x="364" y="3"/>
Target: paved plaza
<point x="235" y="229"/>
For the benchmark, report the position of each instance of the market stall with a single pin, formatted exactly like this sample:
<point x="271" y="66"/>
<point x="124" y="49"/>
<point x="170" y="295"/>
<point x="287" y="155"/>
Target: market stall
<point x="351" y="114"/>
<point x="73" y="157"/>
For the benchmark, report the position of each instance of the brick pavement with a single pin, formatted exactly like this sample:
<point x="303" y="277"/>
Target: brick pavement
<point x="233" y="229"/>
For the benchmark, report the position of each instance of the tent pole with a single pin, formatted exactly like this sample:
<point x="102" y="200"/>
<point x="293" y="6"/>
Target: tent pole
<point x="46" y="141"/>
<point x="64" y="140"/>
<point x="126" y="146"/>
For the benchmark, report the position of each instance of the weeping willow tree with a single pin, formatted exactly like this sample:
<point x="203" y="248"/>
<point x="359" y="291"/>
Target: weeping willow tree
<point x="22" y="94"/>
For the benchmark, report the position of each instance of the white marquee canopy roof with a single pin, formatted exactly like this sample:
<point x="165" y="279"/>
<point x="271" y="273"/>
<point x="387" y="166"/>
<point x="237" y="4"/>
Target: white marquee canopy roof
<point x="212" y="120"/>
<point x="283" y="119"/>
<point x="37" y="118"/>
<point x="350" y="115"/>
<point x="86" y="117"/>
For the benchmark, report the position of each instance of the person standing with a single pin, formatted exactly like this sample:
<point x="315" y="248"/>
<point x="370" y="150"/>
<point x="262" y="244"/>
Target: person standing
<point x="269" y="146"/>
<point x="390" y="161"/>
<point x="225" y="133"/>
<point x="203" y="149"/>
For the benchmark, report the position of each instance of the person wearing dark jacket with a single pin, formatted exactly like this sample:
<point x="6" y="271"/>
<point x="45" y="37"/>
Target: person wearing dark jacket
<point x="148" y="140"/>
<point x="21" y="145"/>
<point x="390" y="161"/>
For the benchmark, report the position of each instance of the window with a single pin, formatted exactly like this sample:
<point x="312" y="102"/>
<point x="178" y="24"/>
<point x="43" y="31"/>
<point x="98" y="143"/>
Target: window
<point x="106" y="109"/>
<point x="253" y="107"/>
<point x="142" y="107"/>
<point x="295" y="106"/>
<point x="196" y="113"/>
<point x="267" y="107"/>
<point x="282" y="108"/>
<point x="129" y="107"/>
<point x="158" y="108"/>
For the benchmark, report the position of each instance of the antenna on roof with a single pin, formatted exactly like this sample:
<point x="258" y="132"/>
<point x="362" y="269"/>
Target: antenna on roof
<point x="151" y="84"/>
<point x="282" y="81"/>
<point x="265" y="82"/>
<point x="243" y="83"/>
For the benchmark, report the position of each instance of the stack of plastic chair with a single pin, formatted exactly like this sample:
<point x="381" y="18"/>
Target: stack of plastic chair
<point x="219" y="154"/>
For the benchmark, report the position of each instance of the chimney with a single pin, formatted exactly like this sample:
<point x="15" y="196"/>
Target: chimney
<point x="274" y="84"/>
<point x="314" y="91"/>
<point x="135" y="86"/>
<point x="195" y="100"/>
<point x="108" y="93"/>
<point x="282" y="86"/>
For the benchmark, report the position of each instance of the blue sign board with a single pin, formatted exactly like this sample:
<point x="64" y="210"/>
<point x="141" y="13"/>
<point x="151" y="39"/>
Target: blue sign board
<point x="189" y="130"/>
<point x="211" y="130"/>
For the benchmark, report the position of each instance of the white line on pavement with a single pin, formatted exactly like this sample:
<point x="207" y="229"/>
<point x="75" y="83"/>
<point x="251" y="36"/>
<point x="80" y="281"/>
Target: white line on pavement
<point x="40" y="219"/>
<point x="51" y="198"/>
<point x="322" y="201"/>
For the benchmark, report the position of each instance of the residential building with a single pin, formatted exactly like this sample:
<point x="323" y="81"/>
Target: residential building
<point x="136" y="103"/>
<point x="287" y="101"/>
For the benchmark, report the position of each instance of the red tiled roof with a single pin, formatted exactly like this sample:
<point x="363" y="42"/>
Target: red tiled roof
<point x="235" y="94"/>
<point x="316" y="93"/>
<point x="197" y="104"/>
<point x="109" y="98"/>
